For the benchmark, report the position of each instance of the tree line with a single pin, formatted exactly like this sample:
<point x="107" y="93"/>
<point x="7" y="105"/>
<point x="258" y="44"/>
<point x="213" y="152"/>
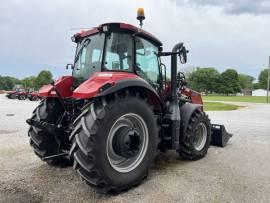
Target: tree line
<point x="209" y="80"/>
<point x="35" y="82"/>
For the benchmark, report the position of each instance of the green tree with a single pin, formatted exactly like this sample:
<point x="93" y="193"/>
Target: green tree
<point x="7" y="83"/>
<point x="204" y="79"/>
<point x="29" y="81"/>
<point x="245" y="81"/>
<point x="263" y="79"/>
<point x="44" y="77"/>
<point x="229" y="82"/>
<point x="256" y="86"/>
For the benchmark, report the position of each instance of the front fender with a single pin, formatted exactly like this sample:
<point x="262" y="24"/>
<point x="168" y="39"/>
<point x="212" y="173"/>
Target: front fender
<point x="186" y="111"/>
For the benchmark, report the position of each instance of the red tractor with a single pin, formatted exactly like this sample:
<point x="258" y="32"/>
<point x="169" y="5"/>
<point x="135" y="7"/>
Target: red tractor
<point x="33" y="96"/>
<point x="14" y="94"/>
<point x="23" y="95"/>
<point x="119" y="109"/>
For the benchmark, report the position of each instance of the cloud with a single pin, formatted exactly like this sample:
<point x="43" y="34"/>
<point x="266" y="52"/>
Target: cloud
<point x="257" y="7"/>
<point x="36" y="34"/>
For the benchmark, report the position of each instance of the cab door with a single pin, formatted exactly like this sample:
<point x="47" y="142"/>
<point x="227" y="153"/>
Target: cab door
<point x="147" y="63"/>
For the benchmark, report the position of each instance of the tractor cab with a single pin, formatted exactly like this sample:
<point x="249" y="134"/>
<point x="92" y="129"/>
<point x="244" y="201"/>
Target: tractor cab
<point x="116" y="47"/>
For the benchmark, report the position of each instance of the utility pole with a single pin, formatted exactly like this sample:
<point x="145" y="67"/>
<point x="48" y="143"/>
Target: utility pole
<point x="268" y="78"/>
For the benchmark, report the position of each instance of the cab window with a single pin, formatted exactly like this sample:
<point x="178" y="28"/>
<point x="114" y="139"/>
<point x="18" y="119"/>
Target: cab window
<point x="88" y="57"/>
<point x="118" y="52"/>
<point x="147" y="65"/>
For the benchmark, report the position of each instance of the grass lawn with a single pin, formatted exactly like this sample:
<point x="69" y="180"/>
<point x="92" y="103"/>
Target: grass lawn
<point x="217" y="106"/>
<point x="252" y="99"/>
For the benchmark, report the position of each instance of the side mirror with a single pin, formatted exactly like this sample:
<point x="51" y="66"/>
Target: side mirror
<point x="70" y="65"/>
<point x="183" y="55"/>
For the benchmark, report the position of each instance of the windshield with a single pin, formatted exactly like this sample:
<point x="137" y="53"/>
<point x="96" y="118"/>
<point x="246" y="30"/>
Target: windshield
<point x="88" y="57"/>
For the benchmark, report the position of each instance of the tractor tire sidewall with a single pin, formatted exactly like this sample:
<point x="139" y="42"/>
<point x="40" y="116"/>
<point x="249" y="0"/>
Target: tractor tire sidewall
<point x="34" y="98"/>
<point x="90" y="135"/>
<point x="203" y="151"/>
<point x="22" y="97"/>
<point x="123" y="107"/>
<point x="189" y="151"/>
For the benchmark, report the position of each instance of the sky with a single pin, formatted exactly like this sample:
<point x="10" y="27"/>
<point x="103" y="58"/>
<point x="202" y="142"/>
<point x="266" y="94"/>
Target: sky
<point x="35" y="35"/>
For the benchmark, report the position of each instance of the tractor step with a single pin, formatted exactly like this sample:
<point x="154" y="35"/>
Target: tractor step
<point x="220" y="136"/>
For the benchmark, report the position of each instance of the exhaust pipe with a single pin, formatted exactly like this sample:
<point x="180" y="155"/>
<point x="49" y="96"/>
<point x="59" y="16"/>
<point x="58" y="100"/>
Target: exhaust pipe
<point x="175" y="116"/>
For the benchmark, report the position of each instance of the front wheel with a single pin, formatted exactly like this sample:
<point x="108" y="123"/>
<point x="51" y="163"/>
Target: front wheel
<point x="22" y="97"/>
<point x="12" y="96"/>
<point x="115" y="141"/>
<point x="195" y="141"/>
<point x="35" y="98"/>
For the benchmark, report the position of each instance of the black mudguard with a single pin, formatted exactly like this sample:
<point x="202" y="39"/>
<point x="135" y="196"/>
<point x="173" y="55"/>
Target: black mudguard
<point x="137" y="83"/>
<point x="186" y="111"/>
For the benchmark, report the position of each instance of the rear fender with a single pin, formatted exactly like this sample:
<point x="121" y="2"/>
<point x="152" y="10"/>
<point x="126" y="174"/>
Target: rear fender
<point x="195" y="97"/>
<point x="141" y="86"/>
<point x="63" y="85"/>
<point x="105" y="83"/>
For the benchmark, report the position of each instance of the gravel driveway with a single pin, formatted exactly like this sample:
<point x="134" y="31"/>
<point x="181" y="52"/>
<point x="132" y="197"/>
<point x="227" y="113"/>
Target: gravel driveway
<point x="238" y="173"/>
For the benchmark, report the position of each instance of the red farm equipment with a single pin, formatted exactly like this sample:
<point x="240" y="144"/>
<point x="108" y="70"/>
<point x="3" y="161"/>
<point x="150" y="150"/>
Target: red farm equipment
<point x="15" y="94"/>
<point x="33" y="96"/>
<point x="118" y="109"/>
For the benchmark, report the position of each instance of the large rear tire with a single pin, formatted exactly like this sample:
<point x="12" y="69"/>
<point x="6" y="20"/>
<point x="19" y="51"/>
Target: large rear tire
<point x="196" y="140"/>
<point x="44" y="143"/>
<point x="115" y="140"/>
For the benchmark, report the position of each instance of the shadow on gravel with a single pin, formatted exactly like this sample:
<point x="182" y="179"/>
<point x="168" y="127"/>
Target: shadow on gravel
<point x="7" y="131"/>
<point x="168" y="160"/>
<point x="16" y="194"/>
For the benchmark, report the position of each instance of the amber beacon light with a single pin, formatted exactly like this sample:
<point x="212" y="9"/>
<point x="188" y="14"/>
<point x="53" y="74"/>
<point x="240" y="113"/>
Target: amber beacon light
<point x="140" y="15"/>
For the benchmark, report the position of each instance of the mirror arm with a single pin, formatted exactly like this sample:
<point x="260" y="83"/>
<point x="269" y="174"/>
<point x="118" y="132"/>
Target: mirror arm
<point x="70" y="64"/>
<point x="167" y="53"/>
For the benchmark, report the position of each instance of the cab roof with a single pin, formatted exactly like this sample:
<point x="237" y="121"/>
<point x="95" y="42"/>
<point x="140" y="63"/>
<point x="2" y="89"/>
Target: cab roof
<point x="120" y="27"/>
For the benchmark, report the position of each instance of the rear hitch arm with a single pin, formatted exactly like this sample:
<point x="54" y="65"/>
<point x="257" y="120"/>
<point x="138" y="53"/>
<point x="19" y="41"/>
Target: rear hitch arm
<point x="55" y="156"/>
<point x="50" y="128"/>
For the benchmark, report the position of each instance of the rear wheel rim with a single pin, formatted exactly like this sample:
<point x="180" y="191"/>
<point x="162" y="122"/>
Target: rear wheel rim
<point x="130" y="122"/>
<point x="200" y="136"/>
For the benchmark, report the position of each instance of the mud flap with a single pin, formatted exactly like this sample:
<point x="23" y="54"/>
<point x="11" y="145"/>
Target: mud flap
<point x="219" y="135"/>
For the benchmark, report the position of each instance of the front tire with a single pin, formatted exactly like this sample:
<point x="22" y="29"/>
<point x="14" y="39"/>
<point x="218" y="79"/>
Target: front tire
<point x="12" y="96"/>
<point x="34" y="98"/>
<point x="109" y="153"/>
<point x="195" y="141"/>
<point x="22" y="97"/>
